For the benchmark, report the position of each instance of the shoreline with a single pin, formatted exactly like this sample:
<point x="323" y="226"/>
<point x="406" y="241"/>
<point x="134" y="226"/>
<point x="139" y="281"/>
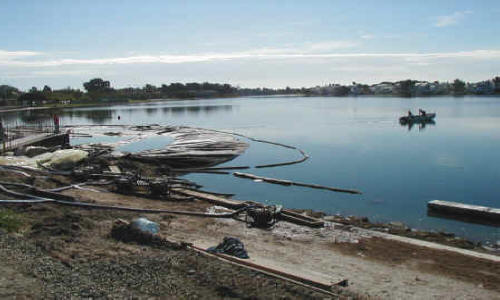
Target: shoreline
<point x="389" y="225"/>
<point x="397" y="228"/>
<point x="73" y="237"/>
<point x="24" y="109"/>
<point x="373" y="263"/>
<point x="131" y="102"/>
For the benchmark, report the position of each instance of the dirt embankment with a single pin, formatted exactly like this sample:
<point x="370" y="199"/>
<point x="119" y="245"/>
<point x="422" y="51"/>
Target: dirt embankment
<point x="65" y="252"/>
<point x="68" y="252"/>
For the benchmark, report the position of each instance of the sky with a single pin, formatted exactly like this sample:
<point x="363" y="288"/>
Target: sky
<point x="246" y="43"/>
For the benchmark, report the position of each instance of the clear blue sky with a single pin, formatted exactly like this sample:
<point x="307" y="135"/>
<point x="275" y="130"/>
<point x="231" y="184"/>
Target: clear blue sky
<point x="247" y="43"/>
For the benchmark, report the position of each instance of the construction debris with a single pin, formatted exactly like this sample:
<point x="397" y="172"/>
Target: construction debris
<point x="32" y="151"/>
<point x="129" y="233"/>
<point x="60" y="160"/>
<point x="231" y="246"/>
<point x="195" y="147"/>
<point x="263" y="217"/>
<point x="145" y="225"/>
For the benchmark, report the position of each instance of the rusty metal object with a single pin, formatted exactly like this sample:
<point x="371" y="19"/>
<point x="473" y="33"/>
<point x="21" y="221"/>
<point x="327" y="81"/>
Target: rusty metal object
<point x="262" y="217"/>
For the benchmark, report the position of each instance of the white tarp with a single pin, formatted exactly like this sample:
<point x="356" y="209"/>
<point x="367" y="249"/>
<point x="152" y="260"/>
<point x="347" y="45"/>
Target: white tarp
<point x="60" y="159"/>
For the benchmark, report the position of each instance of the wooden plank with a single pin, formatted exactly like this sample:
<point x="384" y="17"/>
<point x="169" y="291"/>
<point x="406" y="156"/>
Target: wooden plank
<point x="473" y="211"/>
<point x="302" y="220"/>
<point x="210" y="198"/>
<point x="317" y="285"/>
<point x="115" y="169"/>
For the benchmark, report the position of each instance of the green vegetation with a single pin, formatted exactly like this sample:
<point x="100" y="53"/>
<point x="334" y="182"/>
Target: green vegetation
<point x="459" y="87"/>
<point x="10" y="220"/>
<point x="100" y="92"/>
<point x="405" y="88"/>
<point x="7" y="93"/>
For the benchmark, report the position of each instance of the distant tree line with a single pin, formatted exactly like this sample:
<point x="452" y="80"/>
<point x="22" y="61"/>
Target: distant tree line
<point x="99" y="90"/>
<point x="410" y="88"/>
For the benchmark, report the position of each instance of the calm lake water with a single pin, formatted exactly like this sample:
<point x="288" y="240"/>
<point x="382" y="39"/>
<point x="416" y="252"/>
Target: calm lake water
<point x="353" y="143"/>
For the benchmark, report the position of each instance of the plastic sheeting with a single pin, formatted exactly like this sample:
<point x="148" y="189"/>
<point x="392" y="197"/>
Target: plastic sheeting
<point x="60" y="159"/>
<point x="66" y="159"/>
<point x="145" y="225"/>
<point x="231" y="246"/>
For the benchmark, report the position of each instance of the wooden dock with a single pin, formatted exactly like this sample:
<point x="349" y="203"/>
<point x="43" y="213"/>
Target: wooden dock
<point x="465" y="210"/>
<point x="41" y="139"/>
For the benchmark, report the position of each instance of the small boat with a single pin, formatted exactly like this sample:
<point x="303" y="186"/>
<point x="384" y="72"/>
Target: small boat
<point x="427" y="118"/>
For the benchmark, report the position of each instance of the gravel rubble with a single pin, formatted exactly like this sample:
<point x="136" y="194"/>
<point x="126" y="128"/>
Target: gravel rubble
<point x="159" y="273"/>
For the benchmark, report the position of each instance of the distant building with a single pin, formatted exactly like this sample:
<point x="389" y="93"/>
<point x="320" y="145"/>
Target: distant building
<point x="356" y="89"/>
<point x="424" y="88"/>
<point x="481" y="88"/>
<point x="384" y="88"/>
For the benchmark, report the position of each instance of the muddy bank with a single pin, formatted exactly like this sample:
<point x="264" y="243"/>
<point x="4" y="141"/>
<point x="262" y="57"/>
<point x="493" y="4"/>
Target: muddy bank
<point x="400" y="229"/>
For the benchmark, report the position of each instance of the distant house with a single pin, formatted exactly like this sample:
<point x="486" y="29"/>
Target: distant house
<point x="424" y="88"/>
<point x="384" y="88"/>
<point x="356" y="89"/>
<point x="481" y="88"/>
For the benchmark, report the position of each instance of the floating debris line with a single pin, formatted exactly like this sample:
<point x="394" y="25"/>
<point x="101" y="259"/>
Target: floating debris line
<point x="288" y="182"/>
<point x="305" y="156"/>
<point x="199" y="150"/>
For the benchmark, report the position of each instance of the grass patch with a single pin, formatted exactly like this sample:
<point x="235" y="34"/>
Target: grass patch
<point x="10" y="220"/>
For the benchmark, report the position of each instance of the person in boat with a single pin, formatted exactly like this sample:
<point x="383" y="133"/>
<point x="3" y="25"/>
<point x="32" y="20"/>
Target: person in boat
<point x="421" y="112"/>
<point x="409" y="113"/>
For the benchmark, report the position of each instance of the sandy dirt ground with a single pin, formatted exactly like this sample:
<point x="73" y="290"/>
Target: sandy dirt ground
<point x="375" y="267"/>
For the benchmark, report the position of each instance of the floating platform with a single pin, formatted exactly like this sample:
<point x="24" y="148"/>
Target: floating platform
<point x="463" y="211"/>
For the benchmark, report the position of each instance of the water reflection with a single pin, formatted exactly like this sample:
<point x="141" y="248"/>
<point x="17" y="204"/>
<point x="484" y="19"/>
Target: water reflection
<point x="196" y="109"/>
<point x="463" y="218"/>
<point x="100" y="116"/>
<point x="151" y="111"/>
<point x="421" y="125"/>
<point x="27" y="117"/>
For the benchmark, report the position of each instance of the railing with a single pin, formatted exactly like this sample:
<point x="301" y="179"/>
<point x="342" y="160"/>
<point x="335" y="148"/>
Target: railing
<point x="12" y="132"/>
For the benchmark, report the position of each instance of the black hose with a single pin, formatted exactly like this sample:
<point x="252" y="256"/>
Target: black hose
<point x="36" y="199"/>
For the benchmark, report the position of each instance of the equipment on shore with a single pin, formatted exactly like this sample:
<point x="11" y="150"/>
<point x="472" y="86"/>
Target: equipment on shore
<point x="263" y="217"/>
